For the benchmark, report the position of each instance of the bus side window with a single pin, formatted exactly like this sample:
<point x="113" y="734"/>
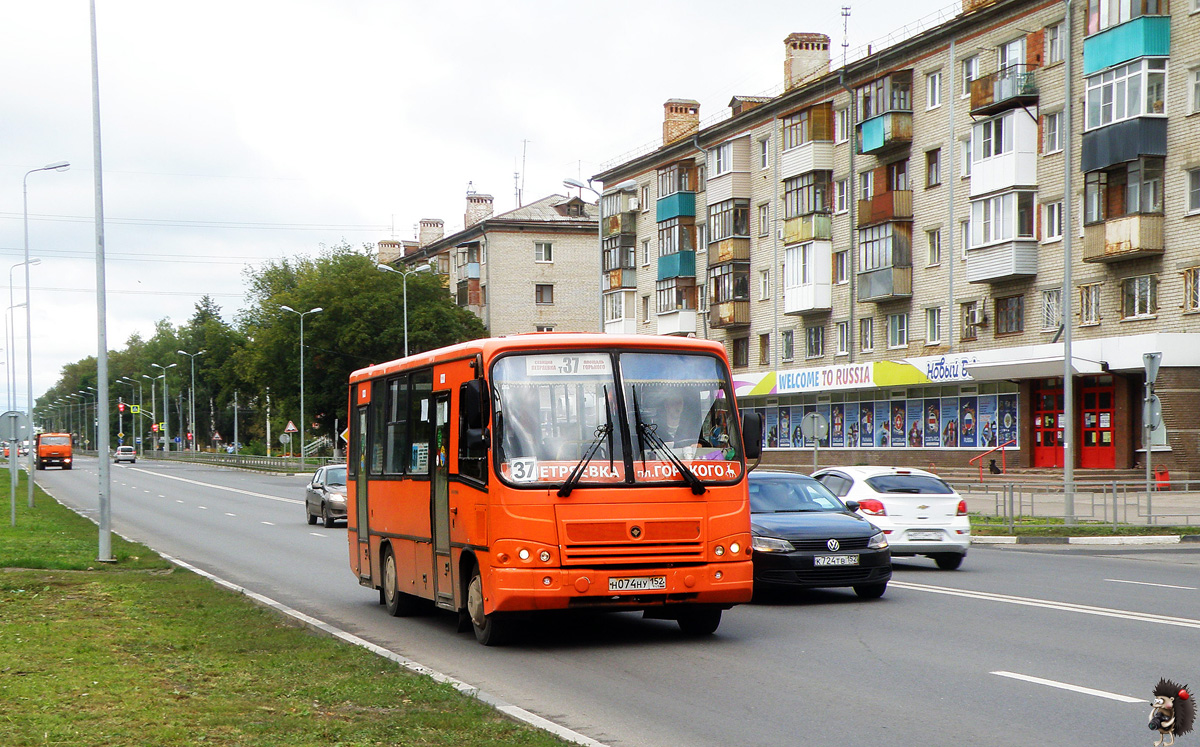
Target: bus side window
<point x="377" y="422"/>
<point x="473" y="402"/>
<point x="397" y="426"/>
<point x="420" y="418"/>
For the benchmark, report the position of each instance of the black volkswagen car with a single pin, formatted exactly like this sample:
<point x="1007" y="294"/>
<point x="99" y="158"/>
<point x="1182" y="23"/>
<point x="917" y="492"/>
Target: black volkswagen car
<point x="806" y="538"/>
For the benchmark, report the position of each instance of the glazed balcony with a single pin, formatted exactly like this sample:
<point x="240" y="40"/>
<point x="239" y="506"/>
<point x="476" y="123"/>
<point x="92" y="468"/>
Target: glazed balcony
<point x="1004" y="89"/>
<point x="1144" y="36"/>
<point x="679" y="264"/>
<point x="885" y="206"/>
<point x="727" y="250"/>
<point x="681" y="322"/>
<point x="680" y="204"/>
<point x="815" y="155"/>
<point x="729" y="314"/>
<point x="814" y="226"/>
<point x="1128" y="237"/>
<point x="885" y="284"/>
<point x="1003" y="261"/>
<point x="619" y="278"/>
<point x="885" y="132"/>
<point x="621" y="223"/>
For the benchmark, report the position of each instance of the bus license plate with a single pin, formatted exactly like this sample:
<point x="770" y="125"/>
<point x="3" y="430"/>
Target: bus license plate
<point x="637" y="583"/>
<point x="835" y="560"/>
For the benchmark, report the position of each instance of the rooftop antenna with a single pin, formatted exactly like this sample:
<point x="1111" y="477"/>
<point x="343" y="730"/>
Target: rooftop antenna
<point x="845" y="33"/>
<point x="517" y="184"/>
<point x="470" y="188"/>
<point x="524" y="150"/>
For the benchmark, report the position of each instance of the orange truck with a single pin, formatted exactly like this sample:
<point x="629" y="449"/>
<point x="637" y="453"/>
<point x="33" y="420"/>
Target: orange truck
<point x="54" y="449"/>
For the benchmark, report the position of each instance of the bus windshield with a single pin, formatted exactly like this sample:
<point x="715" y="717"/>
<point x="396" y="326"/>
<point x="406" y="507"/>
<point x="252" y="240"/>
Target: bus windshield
<point x="561" y="412"/>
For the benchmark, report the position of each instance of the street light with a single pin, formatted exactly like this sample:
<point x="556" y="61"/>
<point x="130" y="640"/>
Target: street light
<point x="153" y="380"/>
<point x="166" y="421"/>
<point x="192" y="396"/>
<point x="405" y="273"/>
<point x="96" y="418"/>
<point x="121" y="413"/>
<point x="302" y="314"/>
<point x="10" y="332"/>
<point x="138" y="420"/>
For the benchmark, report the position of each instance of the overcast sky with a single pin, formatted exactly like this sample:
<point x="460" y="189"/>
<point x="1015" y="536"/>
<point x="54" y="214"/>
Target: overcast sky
<point x="239" y="132"/>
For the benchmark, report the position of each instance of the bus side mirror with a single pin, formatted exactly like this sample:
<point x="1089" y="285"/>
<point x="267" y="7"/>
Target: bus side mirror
<point x="473" y="409"/>
<point x="752" y="434"/>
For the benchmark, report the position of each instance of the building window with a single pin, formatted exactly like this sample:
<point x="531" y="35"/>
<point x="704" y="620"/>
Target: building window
<point x="741" y="352"/>
<point x="995" y="138"/>
<point x="764" y="350"/>
<point x="866" y="335"/>
<point x="543" y="293"/>
<point x="1133" y="90"/>
<point x="1138" y="297"/>
<point x="966" y="157"/>
<point x="676" y="294"/>
<point x="645" y="309"/>
<point x="897" y="330"/>
<point x="764" y="153"/>
<point x="841" y="267"/>
<point x="1011" y="53"/>
<point x="1191" y="289"/>
<point x="1010" y="315"/>
<point x="729" y="282"/>
<point x="1103" y="14"/>
<point x="843" y="338"/>
<point x="1129" y="188"/>
<point x="1001" y="218"/>
<point x="678" y="177"/>
<point x="1052" y="225"/>
<point x="764" y="218"/>
<point x="970" y="71"/>
<point x="728" y="219"/>
<point x="1194" y="191"/>
<point x="1052" y="133"/>
<point x="970" y="321"/>
<point x="721" y="160"/>
<point x="933" y="238"/>
<point x="614" y="307"/>
<point x="544" y="328"/>
<point x="866" y="185"/>
<point x="1055" y="38"/>
<point x="543" y="251"/>
<point x="933" y="326"/>
<point x="842" y="128"/>
<point x="933" y="167"/>
<point x="964" y="235"/>
<point x="645" y="251"/>
<point x="1051" y="309"/>
<point x="807" y="194"/>
<point x="788" y="345"/>
<point x="764" y="285"/>
<point x="807" y="125"/>
<point x="1089" y="304"/>
<point x="814" y="342"/>
<point x="884" y="245"/>
<point x="933" y="90"/>
<point x="676" y="235"/>
<point x="897" y="175"/>
<point x="645" y="198"/>
<point x="842" y="195"/>
<point x="1194" y="90"/>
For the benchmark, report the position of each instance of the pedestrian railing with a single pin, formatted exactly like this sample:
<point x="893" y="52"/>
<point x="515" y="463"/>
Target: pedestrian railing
<point x="1114" y="502"/>
<point x="272" y="463"/>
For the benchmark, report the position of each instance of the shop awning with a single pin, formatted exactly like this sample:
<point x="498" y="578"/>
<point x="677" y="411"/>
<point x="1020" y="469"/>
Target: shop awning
<point x="1030" y="368"/>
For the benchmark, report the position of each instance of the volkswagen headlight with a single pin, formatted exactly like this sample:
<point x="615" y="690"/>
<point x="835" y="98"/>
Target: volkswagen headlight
<point x="771" y="544"/>
<point x="878" y="542"/>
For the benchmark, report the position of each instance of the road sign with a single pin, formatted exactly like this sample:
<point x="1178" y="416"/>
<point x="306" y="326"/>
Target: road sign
<point x="120" y="435"/>
<point x="814" y="425"/>
<point x="135" y="409"/>
<point x="285" y="438"/>
<point x="291" y="428"/>
<point x="137" y="440"/>
<point x="1152" y="412"/>
<point x="1151" y="361"/>
<point x="345" y="435"/>
<point x="176" y="439"/>
<point x="14" y="426"/>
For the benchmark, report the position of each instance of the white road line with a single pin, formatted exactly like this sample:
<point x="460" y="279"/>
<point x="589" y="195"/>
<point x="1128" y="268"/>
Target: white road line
<point x="178" y="501"/>
<point x="1147" y="583"/>
<point x="1084" y="609"/>
<point x="316" y="534"/>
<point x="229" y="514"/>
<point x="1072" y="688"/>
<point x="268" y="523"/>
<point x="220" y="487"/>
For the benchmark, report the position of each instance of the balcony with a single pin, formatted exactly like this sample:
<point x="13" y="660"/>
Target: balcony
<point x="677" y="265"/>
<point x="997" y="263"/>
<point x="675" y="206"/>
<point x="729" y="314"/>
<point x="621" y="327"/>
<point x="815" y="155"/>
<point x="885" y="206"/>
<point x="1129" y="237"/>
<point x="727" y="250"/>
<point x="814" y="226"/>
<point x="619" y="278"/>
<point x="810" y="298"/>
<point x="885" y="284"/>
<point x="681" y="322"/>
<point x="470" y="271"/>
<point x="621" y="223"/>
<point x="1147" y="36"/>
<point x="1123" y="141"/>
<point x="885" y="132"/>
<point x="1004" y="89"/>
<point x="1016" y="167"/>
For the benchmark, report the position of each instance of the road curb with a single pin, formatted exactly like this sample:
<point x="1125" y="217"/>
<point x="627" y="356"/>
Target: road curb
<point x="1150" y="539"/>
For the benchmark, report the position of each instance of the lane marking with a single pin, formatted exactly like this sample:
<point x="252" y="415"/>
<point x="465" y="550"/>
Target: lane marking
<point x="202" y="508"/>
<point x="219" y="487"/>
<point x="229" y="514"/>
<point x="268" y="523"/>
<point x="1072" y="688"/>
<point x="1147" y="583"/>
<point x="316" y="534"/>
<point x="1084" y="609"/>
<point x="178" y="501"/>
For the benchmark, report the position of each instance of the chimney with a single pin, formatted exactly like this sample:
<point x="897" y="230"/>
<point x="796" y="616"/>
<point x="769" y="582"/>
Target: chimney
<point x="807" y="57"/>
<point x="431" y="230"/>
<point x="388" y="252"/>
<point x="479" y="207"/>
<point x="681" y="118"/>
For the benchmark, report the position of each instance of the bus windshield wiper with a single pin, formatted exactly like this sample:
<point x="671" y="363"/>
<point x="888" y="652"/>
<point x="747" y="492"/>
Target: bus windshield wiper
<point x="603" y="432"/>
<point x="648" y="432"/>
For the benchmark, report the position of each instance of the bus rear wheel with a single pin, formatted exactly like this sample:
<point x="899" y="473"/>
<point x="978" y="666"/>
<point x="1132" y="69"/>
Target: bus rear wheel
<point x="699" y="621"/>
<point x="490" y="630"/>
<point x="397" y="602"/>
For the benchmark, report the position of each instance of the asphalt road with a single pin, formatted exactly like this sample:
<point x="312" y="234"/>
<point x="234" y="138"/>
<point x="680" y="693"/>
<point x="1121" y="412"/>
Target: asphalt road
<point x="1023" y="645"/>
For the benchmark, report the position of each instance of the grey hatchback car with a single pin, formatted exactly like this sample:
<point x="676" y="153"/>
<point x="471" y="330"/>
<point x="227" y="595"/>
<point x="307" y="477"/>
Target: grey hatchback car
<point x="325" y="495"/>
<point x="125" y="454"/>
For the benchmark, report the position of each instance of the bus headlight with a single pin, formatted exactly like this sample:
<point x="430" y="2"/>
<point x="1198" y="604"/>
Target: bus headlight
<point x="523" y="554"/>
<point x="544" y="556"/>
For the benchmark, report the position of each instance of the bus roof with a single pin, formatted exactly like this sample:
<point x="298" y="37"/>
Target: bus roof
<point x="532" y="341"/>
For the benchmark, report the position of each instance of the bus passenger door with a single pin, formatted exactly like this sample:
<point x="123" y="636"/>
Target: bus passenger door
<point x="361" y="514"/>
<point x="440" y="485"/>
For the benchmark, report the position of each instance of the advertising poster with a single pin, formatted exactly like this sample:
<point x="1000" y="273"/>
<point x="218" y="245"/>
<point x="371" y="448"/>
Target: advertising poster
<point x="785" y="428"/>
<point x="798" y="426"/>
<point x="837" y="425"/>
<point x="950" y="421"/>
<point x="1006" y="417"/>
<point x="897" y="423"/>
<point x="866" y="424"/>
<point x="771" y="427"/>
<point x="823" y="410"/>
<point x="986" y="421"/>
<point x="916" y="428"/>
<point x="933" y="419"/>
<point x="853" y="426"/>
<point x="883" y="431"/>
<point x="968" y="430"/>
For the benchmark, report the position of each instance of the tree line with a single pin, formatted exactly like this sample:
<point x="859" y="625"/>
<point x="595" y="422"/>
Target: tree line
<point x="256" y="359"/>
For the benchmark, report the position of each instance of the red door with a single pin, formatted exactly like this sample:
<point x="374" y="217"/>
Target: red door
<point x="1096" y="450"/>
<point x="1047" y="423"/>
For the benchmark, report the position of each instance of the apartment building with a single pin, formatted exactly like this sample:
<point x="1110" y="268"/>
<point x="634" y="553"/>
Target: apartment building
<point x="541" y="276"/>
<point x="886" y="243"/>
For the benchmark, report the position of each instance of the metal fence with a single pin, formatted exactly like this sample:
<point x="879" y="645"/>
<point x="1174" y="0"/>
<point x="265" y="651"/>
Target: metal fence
<point x="1115" y="503"/>
<point x="292" y="464"/>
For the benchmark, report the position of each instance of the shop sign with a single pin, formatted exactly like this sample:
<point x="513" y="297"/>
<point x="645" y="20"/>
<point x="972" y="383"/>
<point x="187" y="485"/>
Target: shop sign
<point x="947" y="368"/>
<point x="845" y="376"/>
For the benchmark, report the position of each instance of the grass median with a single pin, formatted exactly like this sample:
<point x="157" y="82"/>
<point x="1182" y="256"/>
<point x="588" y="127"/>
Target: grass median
<point x="1044" y="526"/>
<point x="139" y="652"/>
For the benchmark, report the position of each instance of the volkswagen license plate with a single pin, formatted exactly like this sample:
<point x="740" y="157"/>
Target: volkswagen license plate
<point x="637" y="583"/>
<point x="934" y="536"/>
<point x="820" y="560"/>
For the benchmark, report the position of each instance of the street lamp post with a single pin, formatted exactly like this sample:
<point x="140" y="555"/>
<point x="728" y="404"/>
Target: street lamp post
<point x="405" y="273"/>
<point x="302" y="314"/>
<point x="153" y="381"/>
<point x="166" y="415"/>
<point x="138" y="440"/>
<point x="192" y="396"/>
<point x="121" y="413"/>
<point x="10" y="331"/>
<point x="96" y="418"/>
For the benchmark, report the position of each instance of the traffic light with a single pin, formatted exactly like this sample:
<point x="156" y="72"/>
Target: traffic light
<point x="154" y="427"/>
<point x="120" y="407"/>
<point x="189" y="435"/>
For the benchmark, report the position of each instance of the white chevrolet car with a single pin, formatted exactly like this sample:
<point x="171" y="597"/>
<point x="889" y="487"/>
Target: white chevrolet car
<point x="920" y="514"/>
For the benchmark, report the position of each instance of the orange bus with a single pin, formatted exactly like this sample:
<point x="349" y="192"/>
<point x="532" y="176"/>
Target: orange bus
<point x="552" y="471"/>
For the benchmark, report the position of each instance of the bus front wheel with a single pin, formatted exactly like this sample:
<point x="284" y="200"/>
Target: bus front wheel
<point x="490" y="630"/>
<point x="397" y="602"/>
<point x="699" y="621"/>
